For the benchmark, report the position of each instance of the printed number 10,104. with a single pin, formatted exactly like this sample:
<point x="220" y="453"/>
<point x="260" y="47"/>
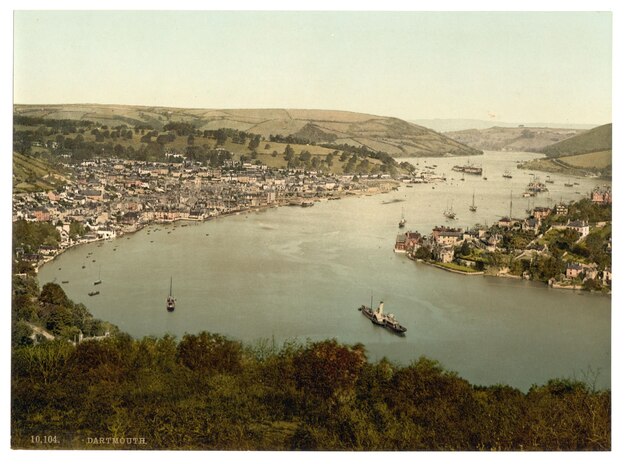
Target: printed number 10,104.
<point x="44" y="439"/>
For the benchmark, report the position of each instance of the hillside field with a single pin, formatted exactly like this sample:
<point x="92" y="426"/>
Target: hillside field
<point x="378" y="133"/>
<point x="32" y="174"/>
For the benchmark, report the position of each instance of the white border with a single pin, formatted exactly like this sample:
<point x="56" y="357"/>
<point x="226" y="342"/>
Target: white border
<point x="616" y="6"/>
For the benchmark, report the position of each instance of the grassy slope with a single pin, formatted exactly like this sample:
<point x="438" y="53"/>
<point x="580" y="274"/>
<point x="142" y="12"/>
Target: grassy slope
<point x="590" y="151"/>
<point x="595" y="140"/>
<point x="392" y="135"/>
<point x="595" y="160"/>
<point x="31" y="174"/>
<point x="179" y="145"/>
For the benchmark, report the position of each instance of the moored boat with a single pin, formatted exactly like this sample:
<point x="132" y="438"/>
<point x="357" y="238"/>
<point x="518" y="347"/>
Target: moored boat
<point x="378" y="317"/>
<point x="473" y="206"/>
<point x="449" y="213"/>
<point x="99" y="281"/>
<point x="469" y="169"/>
<point x="402" y="222"/>
<point x="171" y="302"/>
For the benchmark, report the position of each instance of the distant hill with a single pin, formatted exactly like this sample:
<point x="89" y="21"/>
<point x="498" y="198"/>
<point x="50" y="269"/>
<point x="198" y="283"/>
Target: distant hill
<point x="589" y="152"/>
<point x="595" y="140"/>
<point x="453" y="125"/>
<point x="392" y="135"/>
<point x="532" y="139"/>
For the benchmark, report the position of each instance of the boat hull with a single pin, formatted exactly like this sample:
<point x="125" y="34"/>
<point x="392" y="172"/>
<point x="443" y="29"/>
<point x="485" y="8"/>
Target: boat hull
<point x="396" y="328"/>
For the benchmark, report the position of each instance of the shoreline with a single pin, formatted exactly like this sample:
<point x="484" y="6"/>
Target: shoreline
<point x="140" y="226"/>
<point x="576" y="288"/>
<point x="454" y="271"/>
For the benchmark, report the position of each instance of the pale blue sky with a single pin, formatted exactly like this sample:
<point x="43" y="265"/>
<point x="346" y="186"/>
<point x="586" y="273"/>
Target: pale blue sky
<point x="522" y="67"/>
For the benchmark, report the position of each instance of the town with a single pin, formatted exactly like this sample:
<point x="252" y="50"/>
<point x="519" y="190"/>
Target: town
<point x="109" y="197"/>
<point x="567" y="246"/>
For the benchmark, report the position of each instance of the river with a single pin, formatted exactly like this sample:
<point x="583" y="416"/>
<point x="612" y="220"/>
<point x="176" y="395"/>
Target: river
<point x="301" y="273"/>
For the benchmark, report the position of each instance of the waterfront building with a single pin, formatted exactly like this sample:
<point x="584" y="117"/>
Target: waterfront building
<point x="602" y="196"/>
<point x="561" y="209"/>
<point x="582" y="227"/>
<point x="541" y="212"/>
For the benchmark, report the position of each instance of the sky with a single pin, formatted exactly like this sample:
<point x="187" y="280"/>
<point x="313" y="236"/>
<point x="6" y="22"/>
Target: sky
<point x="502" y="66"/>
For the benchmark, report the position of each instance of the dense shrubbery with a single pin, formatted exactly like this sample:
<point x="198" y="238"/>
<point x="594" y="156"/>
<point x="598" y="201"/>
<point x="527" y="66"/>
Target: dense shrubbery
<point x="51" y="310"/>
<point x="208" y="392"/>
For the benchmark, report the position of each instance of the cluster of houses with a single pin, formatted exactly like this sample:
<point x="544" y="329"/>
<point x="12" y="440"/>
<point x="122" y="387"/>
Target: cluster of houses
<point x="110" y="197"/>
<point x="442" y="244"/>
<point x="602" y="195"/>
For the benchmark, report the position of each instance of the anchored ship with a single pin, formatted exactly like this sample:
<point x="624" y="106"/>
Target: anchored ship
<point x="469" y="169"/>
<point x="378" y="317"/>
<point x="473" y="206"/>
<point x="402" y="222"/>
<point x="171" y="302"/>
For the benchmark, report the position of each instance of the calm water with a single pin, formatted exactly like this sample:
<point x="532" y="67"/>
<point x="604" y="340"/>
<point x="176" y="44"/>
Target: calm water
<point x="302" y="273"/>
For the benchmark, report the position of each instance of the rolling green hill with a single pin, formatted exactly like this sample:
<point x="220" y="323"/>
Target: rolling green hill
<point x="379" y="133"/>
<point x="587" y="153"/>
<point x="597" y="139"/>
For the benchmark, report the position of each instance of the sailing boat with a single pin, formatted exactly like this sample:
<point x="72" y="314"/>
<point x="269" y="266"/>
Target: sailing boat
<point x="171" y="302"/>
<point x="473" y="206"/>
<point x="484" y="176"/>
<point x="99" y="281"/>
<point x="449" y="213"/>
<point x="402" y="222"/>
<point x="507" y="174"/>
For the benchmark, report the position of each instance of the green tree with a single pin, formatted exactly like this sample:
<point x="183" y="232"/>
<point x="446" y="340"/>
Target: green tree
<point x="208" y="352"/>
<point x="327" y="369"/>
<point x="220" y="137"/>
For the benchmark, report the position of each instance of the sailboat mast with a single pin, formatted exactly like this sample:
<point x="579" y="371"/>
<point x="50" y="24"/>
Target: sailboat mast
<point x="170" y="286"/>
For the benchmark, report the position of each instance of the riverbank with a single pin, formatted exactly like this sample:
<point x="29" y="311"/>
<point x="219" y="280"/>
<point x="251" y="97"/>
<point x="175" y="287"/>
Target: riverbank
<point x="558" y="166"/>
<point x="449" y="269"/>
<point x="371" y="188"/>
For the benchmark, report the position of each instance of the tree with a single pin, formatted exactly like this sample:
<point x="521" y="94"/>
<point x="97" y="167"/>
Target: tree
<point x="408" y="166"/>
<point x="208" y="352"/>
<point x="77" y="229"/>
<point x="465" y="249"/>
<point x="119" y="150"/>
<point x="21" y="333"/>
<point x="326" y="368"/>
<point x="254" y="142"/>
<point x="289" y="152"/>
<point x="220" y="137"/>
